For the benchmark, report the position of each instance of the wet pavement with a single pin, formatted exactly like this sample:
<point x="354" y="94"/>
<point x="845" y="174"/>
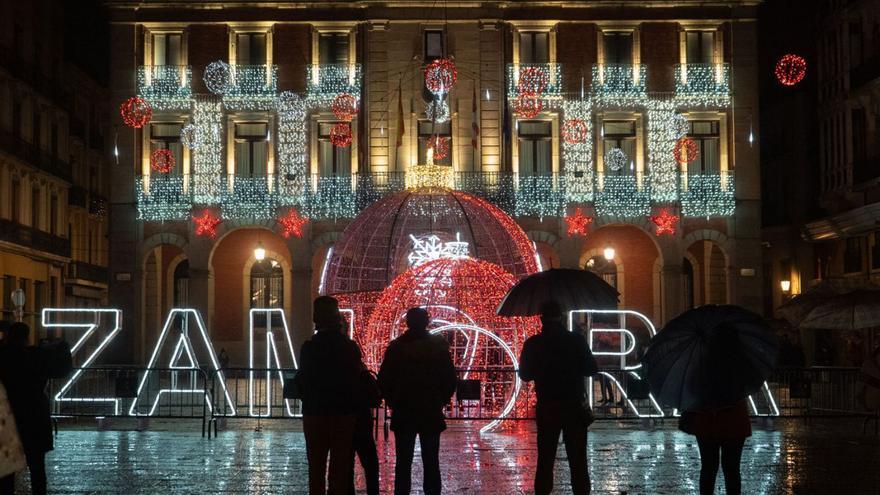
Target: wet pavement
<point x="825" y="456"/>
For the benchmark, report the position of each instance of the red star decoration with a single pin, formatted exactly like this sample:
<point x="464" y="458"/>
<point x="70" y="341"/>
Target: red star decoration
<point x="293" y="223"/>
<point x="578" y="224"/>
<point x="206" y="224"/>
<point x="665" y="222"/>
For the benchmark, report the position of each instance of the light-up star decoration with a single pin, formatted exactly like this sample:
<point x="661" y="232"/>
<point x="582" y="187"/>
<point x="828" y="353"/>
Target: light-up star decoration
<point x="578" y="224"/>
<point x="206" y="225"/>
<point x="428" y="248"/>
<point x="665" y="222"/>
<point x="293" y="223"/>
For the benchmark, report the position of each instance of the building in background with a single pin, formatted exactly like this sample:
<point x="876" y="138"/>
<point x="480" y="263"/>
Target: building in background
<point x="617" y="137"/>
<point x="53" y="163"/>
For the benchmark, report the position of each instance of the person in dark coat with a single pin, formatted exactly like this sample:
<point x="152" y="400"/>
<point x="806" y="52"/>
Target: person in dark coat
<point x="558" y="361"/>
<point x="369" y="398"/>
<point x="25" y="371"/>
<point x="417" y="379"/>
<point x="330" y="365"/>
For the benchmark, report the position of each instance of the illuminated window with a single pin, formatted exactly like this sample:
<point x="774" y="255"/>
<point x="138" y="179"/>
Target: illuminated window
<point x="250" y="48"/>
<point x="251" y="149"/>
<point x="166" y="48"/>
<point x="333" y="48"/>
<point x="534" y="47"/>
<point x="705" y="134"/>
<point x="166" y="137"/>
<point x="620" y="134"/>
<point x="618" y="47"/>
<point x="429" y="130"/>
<point x="535" y="141"/>
<point x="267" y="284"/>
<point x="700" y="47"/>
<point x="606" y="269"/>
<point x="433" y="45"/>
<point x="332" y="160"/>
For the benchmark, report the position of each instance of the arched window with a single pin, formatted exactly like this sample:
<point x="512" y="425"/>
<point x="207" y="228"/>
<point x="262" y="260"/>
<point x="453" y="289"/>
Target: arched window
<point x="267" y="284"/>
<point x="181" y="284"/>
<point x="606" y="269"/>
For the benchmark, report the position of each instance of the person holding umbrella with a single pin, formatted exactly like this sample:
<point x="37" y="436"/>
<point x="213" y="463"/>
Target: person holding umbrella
<point x="705" y="363"/>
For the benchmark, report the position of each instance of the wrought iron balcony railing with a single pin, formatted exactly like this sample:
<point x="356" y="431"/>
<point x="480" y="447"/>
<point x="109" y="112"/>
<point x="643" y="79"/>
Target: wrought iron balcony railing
<point x="544" y="80"/>
<point x="252" y="81"/>
<point x="708" y="194"/>
<point x="619" y="80"/>
<point x="328" y="80"/>
<point x="32" y="238"/>
<point x="702" y="81"/>
<point x="164" y="82"/>
<point x="78" y="270"/>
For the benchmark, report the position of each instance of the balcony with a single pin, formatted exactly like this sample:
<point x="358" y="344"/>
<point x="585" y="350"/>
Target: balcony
<point x="707" y="194"/>
<point x="618" y="80"/>
<point x="248" y="197"/>
<point x="327" y="80"/>
<point x="703" y="84"/>
<point x="77" y="270"/>
<point x="163" y="197"/>
<point x="622" y="196"/>
<point x="34" y="156"/>
<point x="164" y="83"/>
<point x="527" y="74"/>
<point x="252" y="81"/>
<point x="29" y="237"/>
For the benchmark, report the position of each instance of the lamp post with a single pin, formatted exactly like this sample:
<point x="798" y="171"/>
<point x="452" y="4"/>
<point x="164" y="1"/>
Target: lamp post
<point x="259" y="252"/>
<point x="18" y="300"/>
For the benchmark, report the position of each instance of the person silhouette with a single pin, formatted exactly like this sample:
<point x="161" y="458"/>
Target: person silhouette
<point x="417" y="379"/>
<point x="558" y="361"/>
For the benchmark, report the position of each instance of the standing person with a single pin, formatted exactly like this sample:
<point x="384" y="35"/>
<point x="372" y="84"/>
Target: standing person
<point x="721" y="434"/>
<point x="330" y="365"/>
<point x="417" y="379"/>
<point x="25" y="371"/>
<point x="368" y="398"/>
<point x="558" y="361"/>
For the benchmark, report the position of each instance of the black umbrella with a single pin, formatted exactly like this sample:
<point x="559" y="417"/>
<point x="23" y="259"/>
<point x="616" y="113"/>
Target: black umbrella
<point x="572" y="289"/>
<point x="709" y="357"/>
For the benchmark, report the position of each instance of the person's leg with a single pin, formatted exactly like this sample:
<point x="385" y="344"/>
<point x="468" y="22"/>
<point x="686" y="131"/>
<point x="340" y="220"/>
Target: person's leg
<point x="709" y="458"/>
<point x="341" y="474"/>
<point x="731" y="455"/>
<point x="574" y="434"/>
<point x="404" y="447"/>
<point x="7" y="485"/>
<point x="430" y="443"/>
<point x="365" y="448"/>
<point x="37" y="466"/>
<point x="316" y="431"/>
<point x="548" y="440"/>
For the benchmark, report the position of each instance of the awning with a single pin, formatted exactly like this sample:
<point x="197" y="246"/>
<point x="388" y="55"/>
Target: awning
<point x="857" y="221"/>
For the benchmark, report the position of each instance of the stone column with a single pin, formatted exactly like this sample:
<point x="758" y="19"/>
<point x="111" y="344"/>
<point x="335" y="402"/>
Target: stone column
<point x="300" y="318"/>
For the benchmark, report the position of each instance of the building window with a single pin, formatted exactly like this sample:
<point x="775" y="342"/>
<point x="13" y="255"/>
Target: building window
<point x="535" y="141"/>
<point x="35" y="208"/>
<point x="332" y="160"/>
<point x="15" y="198"/>
<point x="251" y="149"/>
<point x="39" y="296"/>
<point x="427" y="132"/>
<point x="852" y="255"/>
<point x="705" y="133"/>
<point x="267" y="284"/>
<point x="618" y="48"/>
<point x="433" y="45"/>
<point x="534" y="47"/>
<point x="167" y="48"/>
<point x="700" y="47"/>
<point x="333" y="48"/>
<point x="167" y="137"/>
<point x="181" y="284"/>
<point x="619" y="134"/>
<point x="53" y="291"/>
<point x="8" y="287"/>
<point x="250" y="48"/>
<point x="53" y="215"/>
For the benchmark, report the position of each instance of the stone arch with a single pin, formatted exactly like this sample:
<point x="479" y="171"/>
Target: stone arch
<point x="711" y="263"/>
<point x="155" y="240"/>
<point x="707" y="235"/>
<point x="325" y="239"/>
<point x="229" y="226"/>
<point x="546" y="247"/>
<point x="543" y="236"/>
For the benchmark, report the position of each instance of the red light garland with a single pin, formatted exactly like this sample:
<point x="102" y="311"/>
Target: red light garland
<point x="578" y="224"/>
<point x="574" y="131"/>
<point x="206" y="225"/>
<point x="527" y="106"/>
<point x="440" y="144"/>
<point x="440" y="75"/>
<point x="790" y="69"/>
<point x="344" y="107"/>
<point x="293" y="223"/>
<point x="665" y="222"/>
<point x="136" y="112"/>
<point x="162" y="161"/>
<point x="532" y="81"/>
<point x="340" y="135"/>
<point x="686" y="150"/>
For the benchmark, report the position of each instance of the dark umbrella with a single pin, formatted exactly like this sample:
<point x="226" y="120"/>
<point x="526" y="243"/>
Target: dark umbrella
<point x="572" y="289"/>
<point x="709" y="357"/>
<point x="854" y="310"/>
<point x="798" y="307"/>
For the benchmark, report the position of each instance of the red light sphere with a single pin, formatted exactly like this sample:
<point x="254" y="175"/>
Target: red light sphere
<point x="440" y="75"/>
<point x="136" y="112"/>
<point x="344" y="106"/>
<point x="790" y="69"/>
<point x="527" y="106"/>
<point x="574" y="131"/>
<point x="440" y="144"/>
<point x="162" y="161"/>
<point x="340" y="135"/>
<point x="532" y="81"/>
<point x="686" y="150"/>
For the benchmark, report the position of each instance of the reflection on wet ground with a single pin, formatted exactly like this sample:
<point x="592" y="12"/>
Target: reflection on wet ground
<point x="790" y="456"/>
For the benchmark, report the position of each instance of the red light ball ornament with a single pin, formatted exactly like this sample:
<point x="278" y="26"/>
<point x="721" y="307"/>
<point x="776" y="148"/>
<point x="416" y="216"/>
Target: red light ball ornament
<point x="527" y="106"/>
<point x="686" y="150"/>
<point x="162" y="161"/>
<point x="440" y="75"/>
<point x="136" y="112"/>
<point x="340" y="135"/>
<point x="574" y="131"/>
<point x="532" y="81"/>
<point x="344" y="106"/>
<point x="440" y="144"/>
<point x="790" y="69"/>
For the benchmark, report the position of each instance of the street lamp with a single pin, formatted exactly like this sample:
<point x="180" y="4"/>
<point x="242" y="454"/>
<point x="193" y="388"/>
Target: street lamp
<point x="608" y="253"/>
<point x="260" y="252"/>
<point x="785" y="285"/>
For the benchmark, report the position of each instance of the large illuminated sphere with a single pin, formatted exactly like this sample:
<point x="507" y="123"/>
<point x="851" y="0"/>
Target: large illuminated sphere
<point x="790" y="69"/>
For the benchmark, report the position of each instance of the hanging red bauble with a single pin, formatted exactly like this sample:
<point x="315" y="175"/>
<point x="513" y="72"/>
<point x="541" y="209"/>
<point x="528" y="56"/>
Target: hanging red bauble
<point x="532" y="81"/>
<point x="440" y="145"/>
<point x="162" y="161"/>
<point x="574" y="131"/>
<point x="206" y="225"/>
<point x="665" y="222"/>
<point x="340" y="135"/>
<point x="790" y="69"/>
<point x="136" y="112"/>
<point x="527" y="106"/>
<point x="686" y="150"/>
<point x="344" y="106"/>
<point x="578" y="224"/>
<point x="440" y="75"/>
<point x="293" y="223"/>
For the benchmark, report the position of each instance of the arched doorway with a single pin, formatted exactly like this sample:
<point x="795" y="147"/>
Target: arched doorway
<point x="605" y="268"/>
<point x="163" y="268"/>
<point x="706" y="268"/>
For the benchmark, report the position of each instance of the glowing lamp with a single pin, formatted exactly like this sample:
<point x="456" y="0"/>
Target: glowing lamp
<point x="785" y="285"/>
<point x="18" y="298"/>
<point x="609" y="253"/>
<point x="259" y="252"/>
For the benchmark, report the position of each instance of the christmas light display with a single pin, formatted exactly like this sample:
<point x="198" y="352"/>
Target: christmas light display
<point x="291" y="106"/>
<point x="679" y="126"/>
<point x="217" y="77"/>
<point x="136" y="112"/>
<point x="623" y="196"/>
<point x="293" y="223"/>
<point x="707" y="195"/>
<point x="527" y="107"/>
<point x="440" y="76"/>
<point x="430" y="176"/>
<point x="431" y="247"/>
<point x="191" y="137"/>
<point x="578" y="224"/>
<point x="272" y="360"/>
<point x="552" y="89"/>
<point x="344" y="107"/>
<point x="438" y="111"/>
<point x="790" y="69"/>
<point x="532" y="81"/>
<point x="665" y="222"/>
<point x="325" y="81"/>
<point x="340" y="135"/>
<point x="619" y="81"/>
<point x="167" y="83"/>
<point x="162" y="161"/>
<point x="206" y="224"/>
<point x="574" y="131"/>
<point x="616" y="159"/>
<point x="702" y="85"/>
<point x="440" y="147"/>
<point x="252" y="82"/>
<point x="686" y="150"/>
<point x="578" y="156"/>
